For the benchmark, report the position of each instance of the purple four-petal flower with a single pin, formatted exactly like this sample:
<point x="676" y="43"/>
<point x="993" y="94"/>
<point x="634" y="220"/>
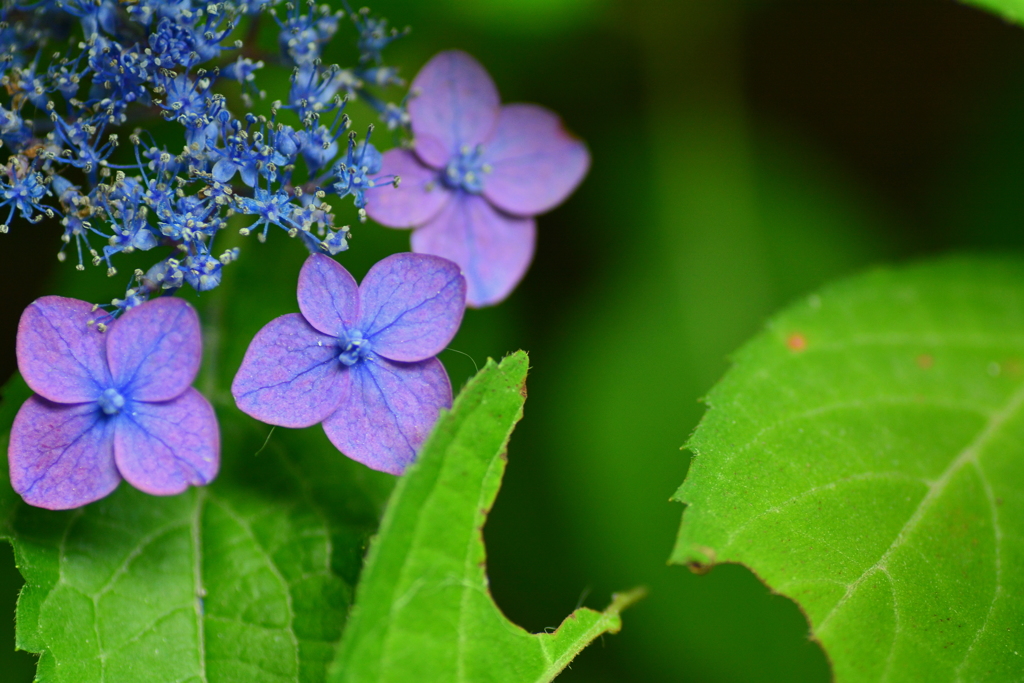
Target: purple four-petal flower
<point x="477" y="174"/>
<point x="359" y="358"/>
<point x="110" y="405"/>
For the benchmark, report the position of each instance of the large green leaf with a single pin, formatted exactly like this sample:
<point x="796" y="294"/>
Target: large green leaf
<point x="865" y="456"/>
<point x="423" y="611"/>
<point x="246" y="580"/>
<point x="1011" y="10"/>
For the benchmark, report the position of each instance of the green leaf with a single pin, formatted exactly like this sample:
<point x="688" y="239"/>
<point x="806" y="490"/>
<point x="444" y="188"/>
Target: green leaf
<point x="1011" y="10"/>
<point x="423" y="610"/>
<point x="865" y="457"/>
<point x="246" y="580"/>
<point x="249" y="579"/>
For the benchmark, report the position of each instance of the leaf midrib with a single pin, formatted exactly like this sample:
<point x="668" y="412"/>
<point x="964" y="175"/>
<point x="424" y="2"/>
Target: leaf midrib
<point x="199" y="587"/>
<point x="416" y="536"/>
<point x="199" y="591"/>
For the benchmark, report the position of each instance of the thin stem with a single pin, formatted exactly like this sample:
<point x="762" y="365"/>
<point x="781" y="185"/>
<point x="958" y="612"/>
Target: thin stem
<point x="213" y="325"/>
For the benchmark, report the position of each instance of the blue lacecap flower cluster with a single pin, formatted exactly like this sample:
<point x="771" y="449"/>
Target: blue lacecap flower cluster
<point x="84" y="78"/>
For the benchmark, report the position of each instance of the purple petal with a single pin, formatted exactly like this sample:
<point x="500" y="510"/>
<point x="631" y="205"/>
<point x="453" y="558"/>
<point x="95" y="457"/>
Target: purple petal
<point x="390" y="411"/>
<point x="163" y="448"/>
<point x="291" y="375"/>
<point x="456" y="104"/>
<point x="155" y="349"/>
<point x="412" y="306"/>
<point x="417" y="198"/>
<point x="431" y="152"/>
<point x="536" y="162"/>
<point x="328" y="295"/>
<point x="223" y="170"/>
<point x="59" y="354"/>
<point x="61" y="456"/>
<point x="493" y="249"/>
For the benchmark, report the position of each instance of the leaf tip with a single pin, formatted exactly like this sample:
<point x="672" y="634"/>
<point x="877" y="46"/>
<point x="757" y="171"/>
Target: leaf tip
<point x="626" y="599"/>
<point x="612" y="615"/>
<point x="517" y="365"/>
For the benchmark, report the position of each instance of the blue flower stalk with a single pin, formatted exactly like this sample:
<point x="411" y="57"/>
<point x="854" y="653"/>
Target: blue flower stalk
<point x="64" y="124"/>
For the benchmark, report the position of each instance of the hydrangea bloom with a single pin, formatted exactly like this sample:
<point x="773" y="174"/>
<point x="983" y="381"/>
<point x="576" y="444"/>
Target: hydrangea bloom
<point x="78" y="148"/>
<point x="359" y="358"/>
<point x="110" y="405"/>
<point x="477" y="174"/>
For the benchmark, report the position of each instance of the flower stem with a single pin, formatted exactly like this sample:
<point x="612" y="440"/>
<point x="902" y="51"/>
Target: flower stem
<point x="215" y="305"/>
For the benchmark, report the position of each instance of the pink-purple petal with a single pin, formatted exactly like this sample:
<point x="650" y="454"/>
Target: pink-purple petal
<point x="390" y="412"/>
<point x="417" y="199"/>
<point x="290" y="375"/>
<point x="493" y="249"/>
<point x="154" y="349"/>
<point x="60" y="355"/>
<point x="411" y="305"/>
<point x="163" y="448"/>
<point x="455" y="102"/>
<point x="61" y="456"/>
<point x="328" y="295"/>
<point x="535" y="163"/>
<point x="431" y="152"/>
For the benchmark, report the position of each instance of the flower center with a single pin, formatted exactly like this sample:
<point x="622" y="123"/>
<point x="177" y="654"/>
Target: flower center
<point x="354" y="347"/>
<point x="111" y="401"/>
<point x="466" y="171"/>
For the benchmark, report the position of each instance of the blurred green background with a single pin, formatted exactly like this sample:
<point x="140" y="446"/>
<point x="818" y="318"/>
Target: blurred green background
<point x="743" y="154"/>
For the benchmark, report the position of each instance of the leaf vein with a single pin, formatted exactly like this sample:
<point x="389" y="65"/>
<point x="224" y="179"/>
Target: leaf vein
<point x="864" y="403"/>
<point x="151" y="626"/>
<point x="197" y="579"/>
<point x="896" y="626"/>
<point x="139" y="548"/>
<point x="998" y="534"/>
<point x="968" y="455"/>
<point x="242" y="522"/>
<point x="817" y="489"/>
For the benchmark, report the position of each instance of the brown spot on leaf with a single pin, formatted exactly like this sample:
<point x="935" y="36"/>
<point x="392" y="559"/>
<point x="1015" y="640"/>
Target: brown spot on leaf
<point x="796" y="342"/>
<point x="705" y="565"/>
<point x="925" y="361"/>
